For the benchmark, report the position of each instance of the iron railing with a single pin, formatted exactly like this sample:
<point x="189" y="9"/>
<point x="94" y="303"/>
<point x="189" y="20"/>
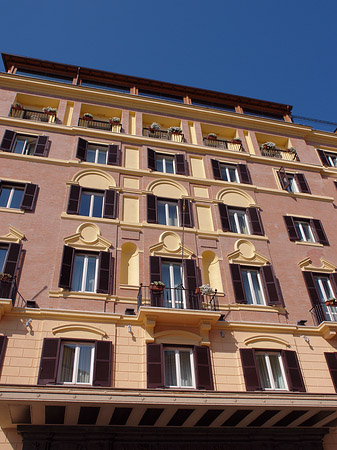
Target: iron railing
<point x="99" y="125"/>
<point x="280" y="154"/>
<point x="322" y="313"/>
<point x="222" y="144"/>
<point x="29" y="114"/>
<point x="177" y="298"/>
<point x="163" y="134"/>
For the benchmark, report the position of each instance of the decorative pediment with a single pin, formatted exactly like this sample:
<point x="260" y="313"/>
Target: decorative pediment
<point x="265" y="339"/>
<point x="235" y="197"/>
<point x="78" y="331"/>
<point x="88" y="237"/>
<point x="167" y="188"/>
<point x="170" y="245"/>
<point x="14" y="235"/>
<point x="326" y="267"/>
<point x="246" y="254"/>
<point x="94" y="178"/>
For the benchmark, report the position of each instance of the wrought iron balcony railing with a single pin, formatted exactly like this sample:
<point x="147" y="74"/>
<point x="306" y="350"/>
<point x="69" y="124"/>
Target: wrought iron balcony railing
<point x="163" y="134"/>
<point x="322" y="313"/>
<point x="225" y="145"/>
<point x="177" y="298"/>
<point x="100" y="125"/>
<point x="280" y="154"/>
<point x="29" y="114"/>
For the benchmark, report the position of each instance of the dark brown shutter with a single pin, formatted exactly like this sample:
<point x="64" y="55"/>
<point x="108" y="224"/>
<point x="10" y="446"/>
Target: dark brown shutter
<point x="302" y="183"/>
<point x="82" y="147"/>
<point x="74" y="199"/>
<point x="323" y="157"/>
<point x="283" y="178"/>
<point x="186" y="217"/>
<point x="104" y="284"/>
<point x="312" y="290"/>
<point x="290" y="224"/>
<point x="216" y="169"/>
<point x="155" y="366"/>
<point x="293" y="371"/>
<point x="66" y="267"/>
<point x="244" y="174"/>
<point x="29" y="197"/>
<point x="271" y="286"/>
<point x="181" y="165"/>
<point x="151" y="208"/>
<point x="331" y="360"/>
<point x="250" y="371"/>
<point x="239" y="291"/>
<point x="114" y="155"/>
<point x="333" y="279"/>
<point x="255" y="221"/>
<point x="203" y="368"/>
<point x="110" y="204"/>
<point x="224" y="217"/>
<point x="155" y="269"/>
<point x="8" y="141"/>
<point x="320" y="233"/>
<point x="102" y="364"/>
<point x="49" y="361"/>
<point x="191" y="280"/>
<point x="151" y="159"/>
<point x="12" y="258"/>
<point x="41" y="146"/>
<point x="3" y="345"/>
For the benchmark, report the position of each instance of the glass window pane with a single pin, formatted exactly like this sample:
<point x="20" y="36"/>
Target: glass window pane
<point x="85" y="204"/>
<point x="232" y="221"/>
<point x="224" y="174"/>
<point x="3" y="253"/>
<point x="307" y="232"/>
<point x="172" y="212"/>
<point x="78" y="273"/>
<point x="19" y="146"/>
<point x="178" y="291"/>
<point x="102" y="156"/>
<point x="4" y="195"/>
<point x="232" y="174"/>
<point x="91" y="274"/>
<point x="185" y="368"/>
<point x="277" y="372"/>
<point x="247" y="287"/>
<point x="161" y="213"/>
<point x="242" y="222"/>
<point x="159" y="164"/>
<point x="67" y="367"/>
<point x="263" y="371"/>
<point x="84" y="363"/>
<point x="91" y="155"/>
<point x="97" y="206"/>
<point x="170" y="368"/>
<point x="169" y="165"/>
<point x="16" y="199"/>
<point x="257" y="287"/>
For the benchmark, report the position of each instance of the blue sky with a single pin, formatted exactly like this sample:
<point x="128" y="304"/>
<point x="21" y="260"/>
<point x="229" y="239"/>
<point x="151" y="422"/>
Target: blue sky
<point x="281" y="51"/>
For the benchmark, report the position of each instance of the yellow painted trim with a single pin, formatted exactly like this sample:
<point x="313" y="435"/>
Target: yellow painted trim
<point x="257" y="308"/>
<point x="153" y="184"/>
<point x="62" y="293"/>
<point x="14" y="235"/>
<point x="164" y="336"/>
<point x="310" y="244"/>
<point x="277" y="340"/>
<point x="77" y="177"/>
<point x="77" y="217"/>
<point x="234" y="190"/>
<point x="326" y="267"/>
<point x="12" y="211"/>
<point x="88" y="237"/>
<point x="245" y="253"/>
<point x="247" y="236"/>
<point x="299" y="216"/>
<point x="77" y="327"/>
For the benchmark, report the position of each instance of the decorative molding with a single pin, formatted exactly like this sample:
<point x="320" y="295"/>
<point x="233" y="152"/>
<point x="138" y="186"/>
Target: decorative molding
<point x="177" y="337"/>
<point x="88" y="237"/>
<point x="14" y="235"/>
<point x="63" y="329"/>
<point x="78" y="177"/>
<point x="232" y="192"/>
<point x="264" y="338"/>
<point x="245" y="253"/>
<point x="326" y="267"/>
<point x="165" y="181"/>
<point x="170" y="245"/>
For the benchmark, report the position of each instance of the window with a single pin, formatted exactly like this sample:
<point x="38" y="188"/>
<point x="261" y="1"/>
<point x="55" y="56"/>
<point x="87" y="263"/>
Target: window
<point x="24" y="144"/>
<point x="169" y="212"/>
<point x="322" y="288"/>
<point x="293" y="182"/>
<point x="86" y="272"/>
<point x="3" y="346"/>
<point x="161" y="162"/>
<point x="172" y="277"/>
<point x="238" y="173"/>
<point x="9" y="263"/>
<point x="99" y="154"/>
<point x="331" y="360"/>
<point x="305" y="230"/>
<point x="256" y="285"/>
<point x="75" y="362"/>
<point x="327" y="158"/>
<point x="18" y="196"/>
<point x="92" y="203"/>
<point x="178" y="367"/>
<point x="238" y="220"/>
<point x="271" y="370"/>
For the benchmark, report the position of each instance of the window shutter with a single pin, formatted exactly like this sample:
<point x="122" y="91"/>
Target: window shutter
<point x="41" y="146"/>
<point x="239" y="291"/>
<point x="151" y="208"/>
<point x="333" y="279"/>
<point x="320" y="233"/>
<point x="312" y="290"/>
<point x="151" y="159"/>
<point x="105" y="272"/>
<point x="302" y="183"/>
<point x="155" y="269"/>
<point x="12" y="259"/>
<point x="155" y="366"/>
<point x="29" y="197"/>
<point x="102" y="364"/>
<point x="66" y="267"/>
<point x="8" y="141"/>
<point x="203" y="368"/>
<point x="331" y="360"/>
<point x="255" y="221"/>
<point x="283" y="178"/>
<point x="216" y="169"/>
<point x="82" y="147"/>
<point x="114" y="155"/>
<point x="271" y="285"/>
<point x="3" y="345"/>
<point x="293" y="371"/>
<point x="224" y="217"/>
<point x="290" y="224"/>
<point x="49" y="361"/>
<point x="250" y="371"/>
<point x="110" y="204"/>
<point x="186" y="218"/>
<point x="191" y="280"/>
<point x="74" y="199"/>
<point x="244" y="174"/>
<point x="181" y="165"/>
<point x="323" y="157"/>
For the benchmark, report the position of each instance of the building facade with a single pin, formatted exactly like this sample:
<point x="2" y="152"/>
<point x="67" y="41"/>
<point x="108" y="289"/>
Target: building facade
<point x="168" y="267"/>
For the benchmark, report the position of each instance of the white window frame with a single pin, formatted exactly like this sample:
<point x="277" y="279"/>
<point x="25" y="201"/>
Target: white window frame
<point x="300" y="224"/>
<point x="92" y="196"/>
<point x="11" y="195"/>
<point x="97" y="149"/>
<point x="166" y="204"/>
<point x="330" y="311"/>
<point x="26" y="146"/>
<point x="6" y="250"/>
<point x="270" y="372"/>
<point x="85" y="271"/>
<point x="172" y="290"/>
<point x="76" y="361"/>
<point x="243" y="213"/>
<point x="227" y="167"/>
<point x="178" y="369"/>
<point x="292" y="187"/>
<point x="332" y="158"/>
<point x="163" y="158"/>
<point x="251" y="286"/>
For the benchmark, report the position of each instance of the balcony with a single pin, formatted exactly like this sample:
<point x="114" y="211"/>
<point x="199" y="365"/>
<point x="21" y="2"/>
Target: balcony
<point x="163" y="134"/>
<point x="223" y="144"/>
<point x="28" y="114"/>
<point x="322" y="313"/>
<point x="177" y="298"/>
<point x="288" y="154"/>
<point x="100" y="125"/>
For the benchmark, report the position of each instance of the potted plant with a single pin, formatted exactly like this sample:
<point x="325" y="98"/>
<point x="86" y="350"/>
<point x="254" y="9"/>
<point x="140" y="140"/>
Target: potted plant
<point x="291" y="150"/>
<point x="87" y="116"/>
<point x="268" y="146"/>
<point x="212" y="136"/>
<point x="236" y="140"/>
<point x="175" y="130"/>
<point x="114" y="120"/>
<point x="17" y="107"/>
<point x="205" y="289"/>
<point x="157" y="286"/>
<point x="49" y="110"/>
<point x="5" y="276"/>
<point x="154" y="127"/>
<point x="331" y="302"/>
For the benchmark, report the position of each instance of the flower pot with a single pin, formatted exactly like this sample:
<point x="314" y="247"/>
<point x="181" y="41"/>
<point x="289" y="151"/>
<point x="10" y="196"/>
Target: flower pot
<point x="17" y="108"/>
<point x="211" y="138"/>
<point x="157" y="288"/>
<point x="197" y="290"/>
<point x="87" y="118"/>
<point x="331" y="303"/>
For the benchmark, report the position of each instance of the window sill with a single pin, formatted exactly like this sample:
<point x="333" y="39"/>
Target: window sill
<point x="129" y="287"/>
<point x="60" y="293"/>
<point x="310" y="244"/>
<point x="257" y="308"/>
<point x="246" y="236"/>
<point x="65" y="215"/>
<point x="12" y="210"/>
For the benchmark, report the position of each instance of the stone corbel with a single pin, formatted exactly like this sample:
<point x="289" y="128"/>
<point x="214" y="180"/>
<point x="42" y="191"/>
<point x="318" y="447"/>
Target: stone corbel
<point x="205" y="328"/>
<point x="150" y="323"/>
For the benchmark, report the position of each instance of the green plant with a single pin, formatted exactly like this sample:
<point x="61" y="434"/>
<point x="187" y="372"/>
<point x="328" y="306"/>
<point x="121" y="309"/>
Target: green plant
<point x="17" y="106"/>
<point x="88" y="116"/>
<point x="155" y="126"/>
<point x="49" y="110"/>
<point x="114" y="120"/>
<point x="211" y="136"/>
<point x="268" y="146"/>
<point x="175" y="130"/>
<point x="236" y="140"/>
<point x="292" y="149"/>
<point x="158" y="283"/>
<point x="5" y="276"/>
<point x="206" y="289"/>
